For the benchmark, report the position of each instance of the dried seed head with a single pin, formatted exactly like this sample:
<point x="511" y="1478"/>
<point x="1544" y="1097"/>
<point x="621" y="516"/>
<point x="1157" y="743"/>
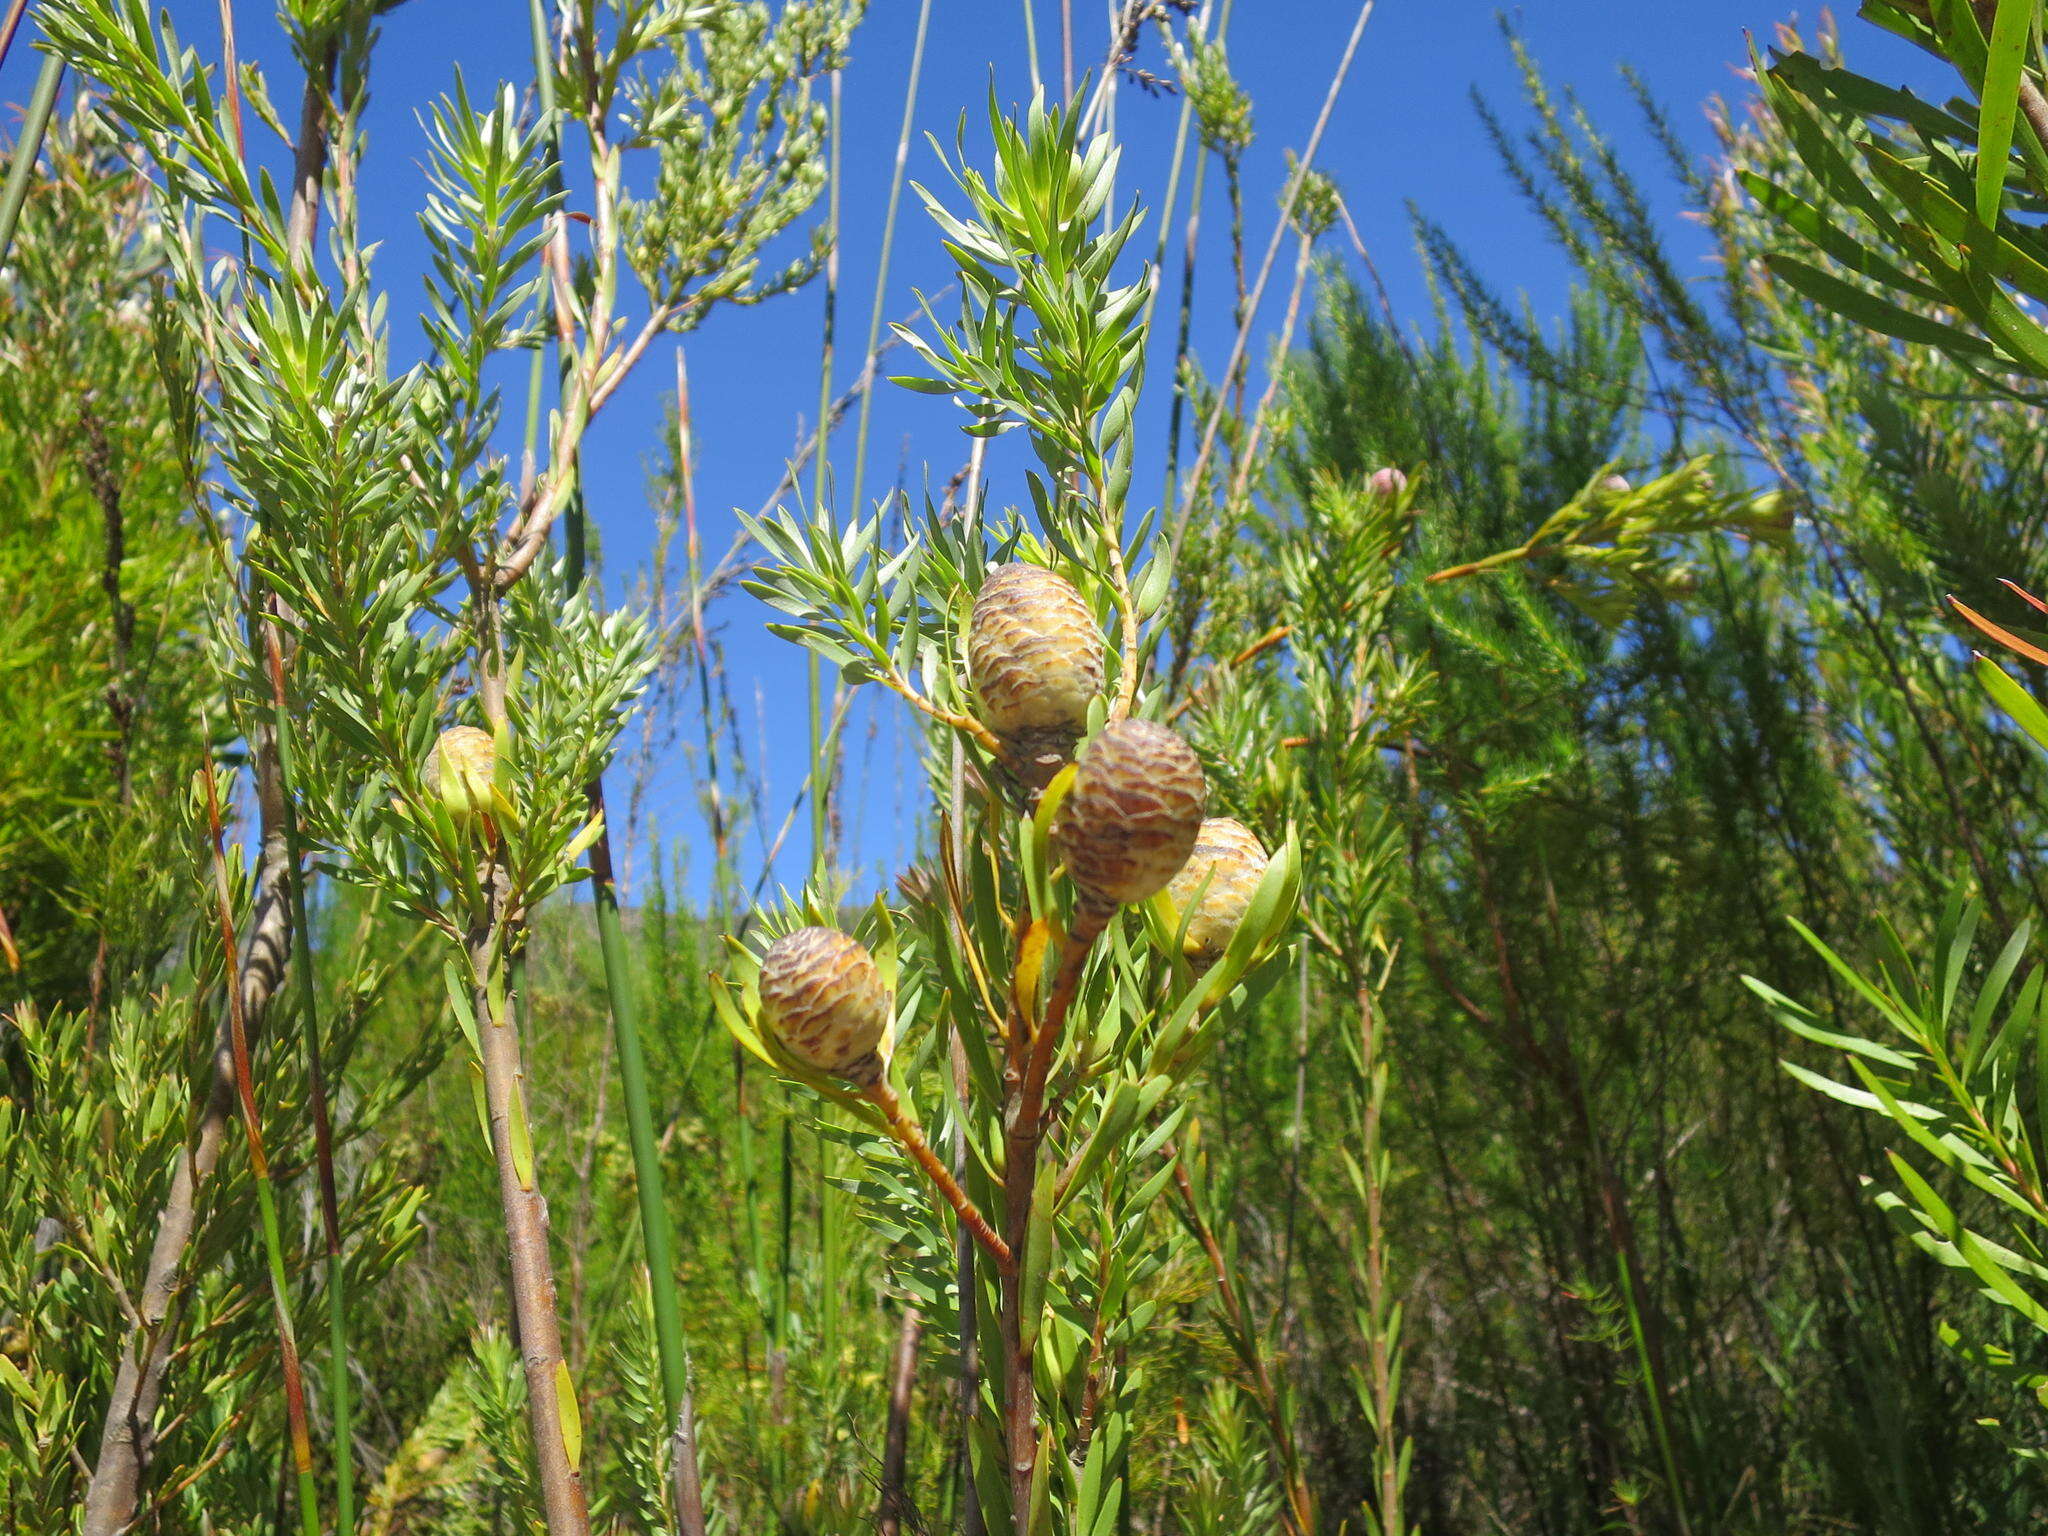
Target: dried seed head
<point x="1129" y="822"/>
<point x="1035" y="654"/>
<point x="823" y="998"/>
<point x="471" y="757"/>
<point x="1227" y="854"/>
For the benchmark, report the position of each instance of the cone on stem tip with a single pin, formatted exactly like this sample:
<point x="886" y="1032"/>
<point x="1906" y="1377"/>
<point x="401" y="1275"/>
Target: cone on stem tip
<point x="1036" y="657"/>
<point x="1130" y="820"/>
<point x="1386" y="481"/>
<point x="824" y="1001"/>
<point x="460" y="768"/>
<point x="1229" y="856"/>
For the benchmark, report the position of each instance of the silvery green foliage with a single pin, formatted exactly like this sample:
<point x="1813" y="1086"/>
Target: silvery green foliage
<point x="1045" y="340"/>
<point x="365" y="502"/>
<point x="739" y="134"/>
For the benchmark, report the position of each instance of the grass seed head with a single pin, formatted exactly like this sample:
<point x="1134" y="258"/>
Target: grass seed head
<point x="1130" y="820"/>
<point x="823" y="998"/>
<point x="1036" y="657"/>
<point x="1228" y="855"/>
<point x="460" y="768"/>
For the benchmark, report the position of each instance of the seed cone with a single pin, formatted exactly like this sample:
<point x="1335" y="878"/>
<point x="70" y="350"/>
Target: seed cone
<point x="1228" y="855"/>
<point x="472" y="759"/>
<point x="823" y="998"/>
<point x="1129" y="823"/>
<point x="1035" y="654"/>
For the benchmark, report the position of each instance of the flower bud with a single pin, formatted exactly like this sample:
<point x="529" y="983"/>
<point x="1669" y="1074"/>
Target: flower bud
<point x="1227" y="854"/>
<point x="1388" y="481"/>
<point x="1129" y="822"/>
<point x="460" y="768"/>
<point x="1035" y="654"/>
<point x="823" y="999"/>
<point x="1615" y="485"/>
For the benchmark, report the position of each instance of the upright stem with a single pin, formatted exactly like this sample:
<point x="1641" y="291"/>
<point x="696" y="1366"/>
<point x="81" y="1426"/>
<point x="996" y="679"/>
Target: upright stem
<point x="894" y="1503"/>
<point x="550" y="1394"/>
<point x="860" y="441"/>
<point x="611" y="938"/>
<point x="1030" y="1061"/>
<point x="323" y="1131"/>
<point x="1383" y="1345"/>
<point x="1251" y="306"/>
<point x="686" y="1485"/>
<point x="299" y="1443"/>
<point x="29" y="144"/>
<point x="1294" y="1137"/>
<point x="970" y="1521"/>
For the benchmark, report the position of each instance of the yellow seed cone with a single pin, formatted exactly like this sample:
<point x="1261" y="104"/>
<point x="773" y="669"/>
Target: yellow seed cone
<point x="823" y="999"/>
<point x="1130" y="820"/>
<point x="1228" y="855"/>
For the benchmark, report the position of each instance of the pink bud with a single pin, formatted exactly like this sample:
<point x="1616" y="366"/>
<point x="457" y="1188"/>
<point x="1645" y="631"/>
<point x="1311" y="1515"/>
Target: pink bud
<point x="1616" y="485"/>
<point x="1388" y="481"/>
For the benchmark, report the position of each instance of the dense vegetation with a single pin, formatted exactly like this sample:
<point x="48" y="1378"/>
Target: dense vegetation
<point x="1596" y="1080"/>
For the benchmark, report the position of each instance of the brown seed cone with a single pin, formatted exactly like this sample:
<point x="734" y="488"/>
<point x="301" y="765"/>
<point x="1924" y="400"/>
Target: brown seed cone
<point x="473" y="755"/>
<point x="1129" y="822"/>
<point x="1035" y="654"/>
<point x="1228" y="855"/>
<point x="823" y="998"/>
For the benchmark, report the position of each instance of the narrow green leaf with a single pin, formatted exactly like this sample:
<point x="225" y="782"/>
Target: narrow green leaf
<point x="522" y="1141"/>
<point x="1872" y="312"/>
<point x="568" y="1415"/>
<point x="1999" y="102"/>
<point x="1992" y="991"/>
<point x="2009" y="696"/>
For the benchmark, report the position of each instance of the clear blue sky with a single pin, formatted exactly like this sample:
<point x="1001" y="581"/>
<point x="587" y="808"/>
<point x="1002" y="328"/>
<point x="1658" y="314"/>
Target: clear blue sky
<point x="1404" y="131"/>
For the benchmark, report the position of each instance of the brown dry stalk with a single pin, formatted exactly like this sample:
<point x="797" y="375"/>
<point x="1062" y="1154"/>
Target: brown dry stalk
<point x="686" y="1484"/>
<point x="895" y="1504"/>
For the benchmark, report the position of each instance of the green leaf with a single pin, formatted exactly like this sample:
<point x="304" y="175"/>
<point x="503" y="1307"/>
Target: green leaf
<point x="459" y="1000"/>
<point x="2013" y="699"/>
<point x="1993" y="989"/>
<point x="568" y="1415"/>
<point x="2000" y="99"/>
<point x="1872" y="312"/>
<point x="522" y="1140"/>
<point x="483" y="1103"/>
<point x="1803" y="1021"/>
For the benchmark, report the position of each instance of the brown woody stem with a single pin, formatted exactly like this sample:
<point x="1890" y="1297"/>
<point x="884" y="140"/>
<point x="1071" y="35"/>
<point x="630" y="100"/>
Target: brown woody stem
<point x="1024" y="1133"/>
<point x="526" y="1232"/>
<point x="911" y="1139"/>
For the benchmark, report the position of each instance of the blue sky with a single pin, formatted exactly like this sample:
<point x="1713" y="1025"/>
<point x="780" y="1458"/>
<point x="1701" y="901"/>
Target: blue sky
<point x="1404" y="132"/>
